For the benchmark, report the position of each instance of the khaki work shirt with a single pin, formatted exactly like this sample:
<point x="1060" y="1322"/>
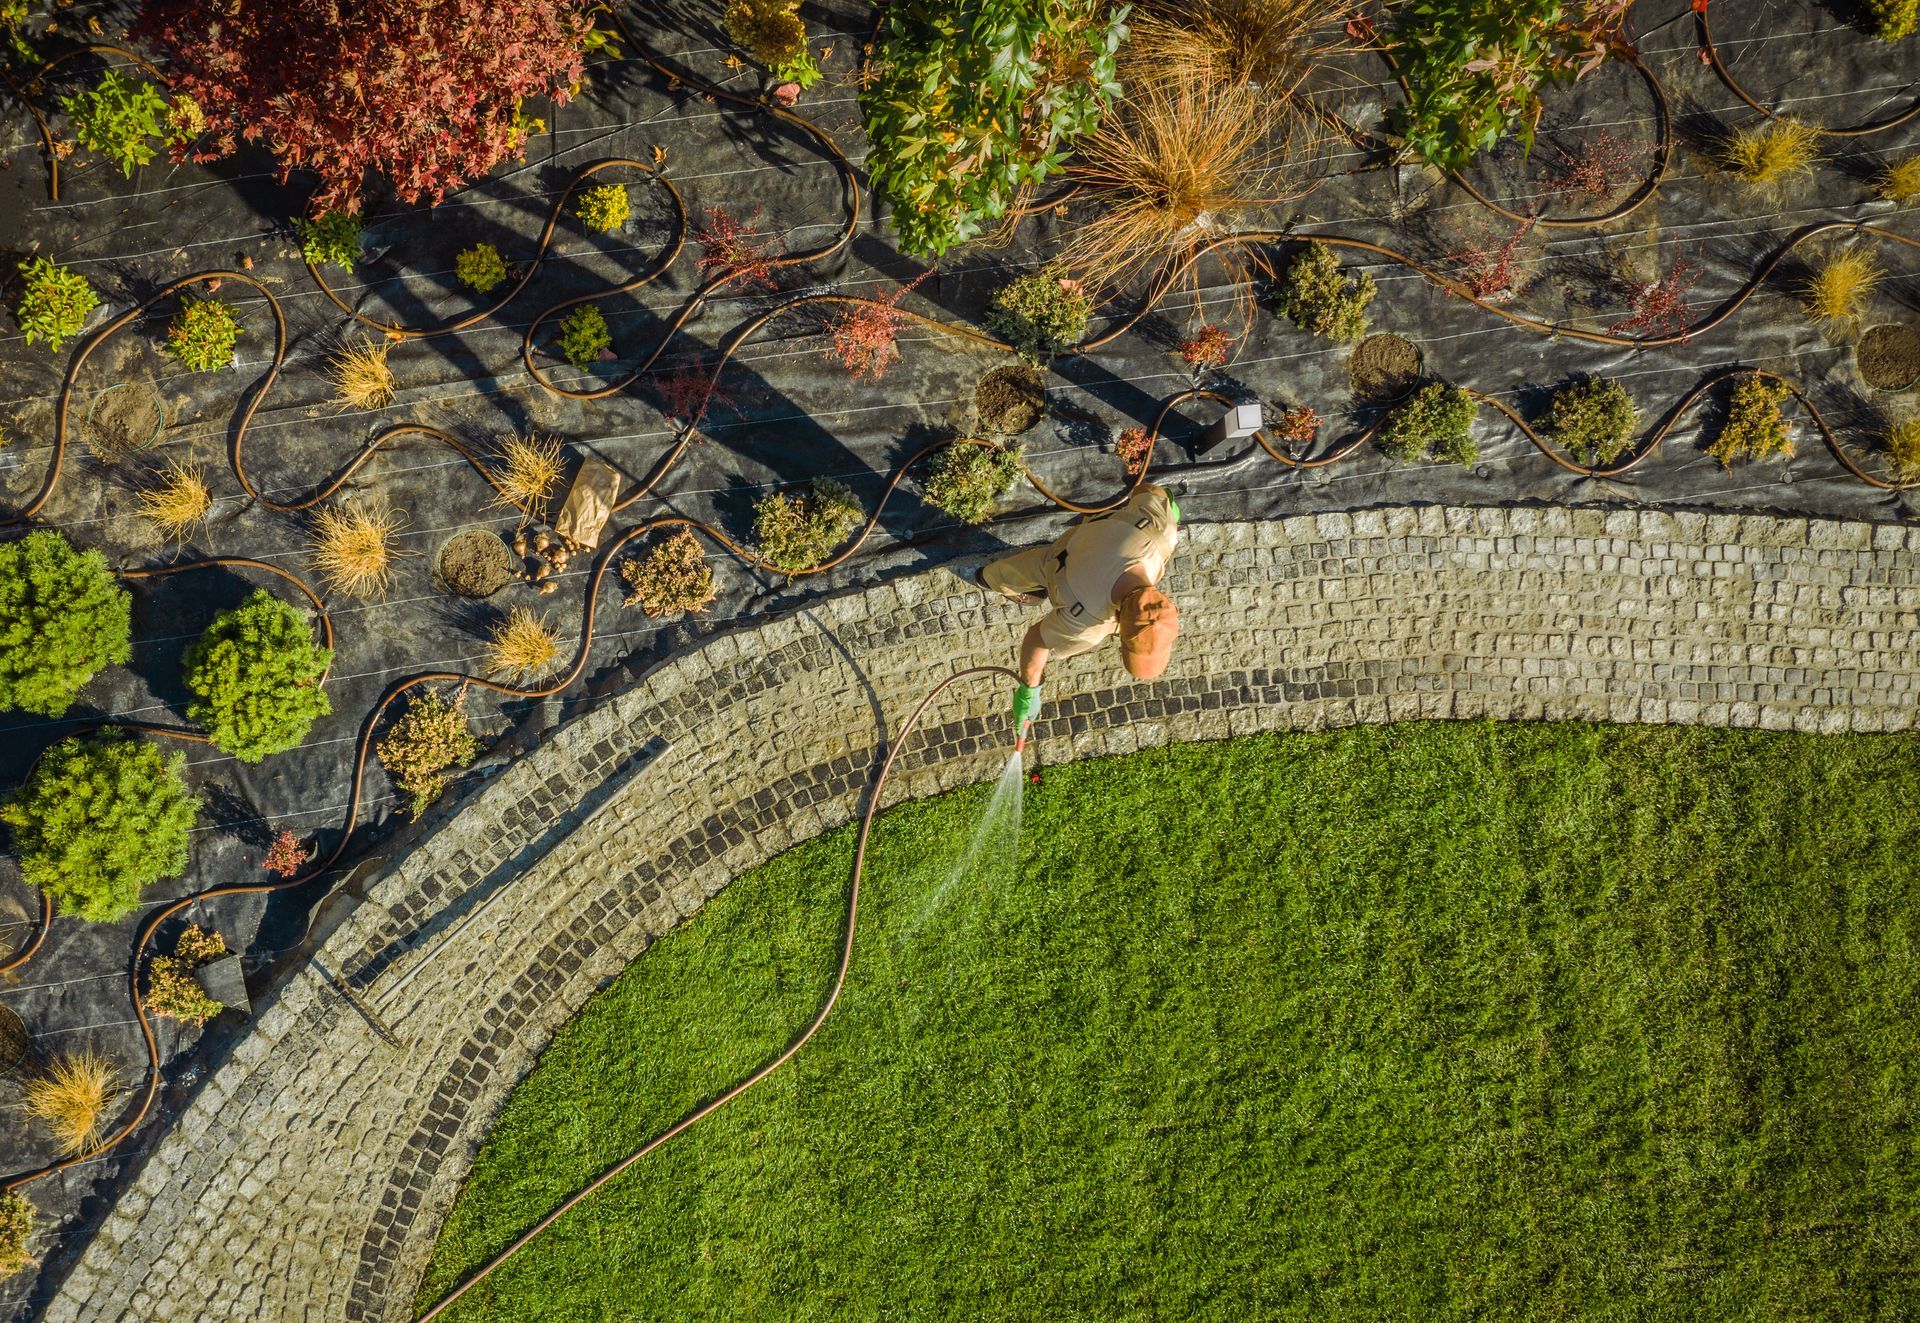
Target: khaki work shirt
<point x="1082" y="563"/>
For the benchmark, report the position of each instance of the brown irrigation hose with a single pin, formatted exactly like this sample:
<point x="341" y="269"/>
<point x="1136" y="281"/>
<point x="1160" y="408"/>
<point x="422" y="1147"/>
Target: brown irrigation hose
<point x="1712" y="53"/>
<point x="820" y="1017"/>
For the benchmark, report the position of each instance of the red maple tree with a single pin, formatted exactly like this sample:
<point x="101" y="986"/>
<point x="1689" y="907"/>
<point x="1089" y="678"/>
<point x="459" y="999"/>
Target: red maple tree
<point x="424" y="92"/>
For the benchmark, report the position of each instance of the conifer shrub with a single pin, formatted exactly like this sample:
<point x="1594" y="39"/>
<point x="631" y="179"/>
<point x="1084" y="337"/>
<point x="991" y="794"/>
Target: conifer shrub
<point x="1041" y="314"/>
<point x="202" y="334"/>
<point x="16" y="1229"/>
<point x="334" y="236"/>
<point x="55" y="302"/>
<point x="1755" y="426"/>
<point x="1436" y="423"/>
<point x="62" y="619"/>
<point x="673" y="576"/>
<point x="1593" y="420"/>
<point x="255" y="677"/>
<point x="798" y="532"/>
<point x="101" y="817"/>
<point x="1320" y="299"/>
<point x="428" y="740"/>
<point x="1893" y="20"/>
<point x="584" y="336"/>
<point x="172" y="990"/>
<point x="480" y="267"/>
<point x="966" y="480"/>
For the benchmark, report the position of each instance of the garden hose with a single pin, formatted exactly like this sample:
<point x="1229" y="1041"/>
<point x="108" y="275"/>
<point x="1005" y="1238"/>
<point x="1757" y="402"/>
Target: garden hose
<point x="706" y="1109"/>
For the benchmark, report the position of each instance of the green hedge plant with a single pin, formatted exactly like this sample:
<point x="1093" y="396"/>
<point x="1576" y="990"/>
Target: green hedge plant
<point x="203" y="334"/>
<point x="798" y="532"/>
<point x="16" y="1229"/>
<point x="1436" y="423"/>
<point x="583" y="336"/>
<point x="1755" y="426"/>
<point x="62" y="619"/>
<point x="605" y="207"/>
<point x="255" y="678"/>
<point x="101" y="817"/>
<point x="55" y="302"/>
<point x="333" y="237"/>
<point x="119" y="119"/>
<point x="1320" y="299"/>
<point x="1593" y="420"/>
<point x="1041" y="314"/>
<point x="480" y="267"/>
<point x="966" y="480"/>
<point x="969" y="102"/>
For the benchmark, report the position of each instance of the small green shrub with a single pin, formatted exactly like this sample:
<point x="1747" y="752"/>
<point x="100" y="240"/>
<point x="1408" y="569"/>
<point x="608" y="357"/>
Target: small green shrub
<point x="769" y="30"/>
<point x="1755" y="427"/>
<point x="1437" y="422"/>
<point x="430" y="738"/>
<point x="797" y="532"/>
<point x="101" y="817"/>
<point x="119" y="119"/>
<point x="16" y="1229"/>
<point x="1593" y="420"/>
<point x="672" y="577"/>
<point x="605" y="207"/>
<point x="55" y="302"/>
<point x="1320" y="299"/>
<point x="255" y="676"/>
<point x="1040" y="314"/>
<point x="334" y="237"/>
<point x="479" y="267"/>
<point x="62" y="618"/>
<point x="583" y="336"/>
<point x="1893" y="20"/>
<point x="172" y="991"/>
<point x="966" y="480"/>
<point x="203" y="334"/>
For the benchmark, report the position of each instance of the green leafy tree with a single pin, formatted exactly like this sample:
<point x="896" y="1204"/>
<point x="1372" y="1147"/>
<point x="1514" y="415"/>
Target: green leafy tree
<point x="255" y="675"/>
<point x="62" y="619"/>
<point x="971" y="101"/>
<point x="101" y="817"/>
<point x="54" y="302"/>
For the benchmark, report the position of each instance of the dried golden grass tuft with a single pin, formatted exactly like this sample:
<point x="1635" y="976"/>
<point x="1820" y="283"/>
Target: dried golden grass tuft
<point x="1277" y="44"/>
<point x="71" y="1099"/>
<point x="1903" y="448"/>
<point x="1770" y="153"/>
<point x="360" y="375"/>
<point x="1900" y="181"/>
<point x="1175" y="168"/>
<point x="523" y="646"/>
<point x="528" y="471"/>
<point x="178" y="503"/>
<point x="353" y="546"/>
<point x="1840" y="287"/>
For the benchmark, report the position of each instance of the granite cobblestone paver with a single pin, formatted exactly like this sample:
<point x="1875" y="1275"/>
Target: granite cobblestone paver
<point x="309" y="1176"/>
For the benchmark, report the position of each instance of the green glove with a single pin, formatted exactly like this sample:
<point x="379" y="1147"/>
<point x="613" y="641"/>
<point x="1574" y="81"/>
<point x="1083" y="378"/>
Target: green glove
<point x="1173" y="507"/>
<point x="1026" y="705"/>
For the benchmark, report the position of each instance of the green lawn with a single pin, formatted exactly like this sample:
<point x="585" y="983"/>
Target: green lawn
<point x="1416" y="1022"/>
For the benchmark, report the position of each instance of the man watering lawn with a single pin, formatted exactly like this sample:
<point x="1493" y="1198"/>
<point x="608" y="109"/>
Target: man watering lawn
<point x="1100" y="578"/>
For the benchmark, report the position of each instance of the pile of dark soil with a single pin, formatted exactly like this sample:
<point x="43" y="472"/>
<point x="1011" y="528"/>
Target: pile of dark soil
<point x="475" y="564"/>
<point x="1384" y="368"/>
<point x="1010" y="400"/>
<point x="1889" y="356"/>
<point x="126" y="417"/>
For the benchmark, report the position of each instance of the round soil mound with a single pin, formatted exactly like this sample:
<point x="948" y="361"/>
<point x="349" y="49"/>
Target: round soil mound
<point x="1384" y="368"/>
<point x="1889" y="357"/>
<point x="1010" y="400"/>
<point x="127" y="416"/>
<point x="475" y="564"/>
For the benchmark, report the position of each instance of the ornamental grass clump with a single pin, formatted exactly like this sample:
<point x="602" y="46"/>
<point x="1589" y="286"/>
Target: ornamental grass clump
<point x="1755" y="427"/>
<point x="101" y="817"/>
<point x="16" y="1229"/>
<point x="1593" y="420"/>
<point x="119" y="119"/>
<point x="172" y="990"/>
<point x="178" y="503"/>
<point x="605" y="207"/>
<point x="1436" y="423"/>
<point x="1892" y="20"/>
<point x="55" y="302"/>
<point x="70" y="1098"/>
<point x="798" y="532"/>
<point x="353" y="547"/>
<point x="584" y="336"/>
<point x="673" y="576"/>
<point x="62" y="618"/>
<point x="429" y="739"/>
<point x="1899" y="181"/>
<point x="1322" y="300"/>
<point x="1041" y="314"/>
<point x="334" y="236"/>
<point x="255" y="676"/>
<point x="202" y="334"/>
<point x="361" y="377"/>
<point x="526" y="474"/>
<point x="1275" y="44"/>
<point x="1840" y="286"/>
<point x="522" y="646"/>
<point x="966" y="479"/>
<point x="1903" y="449"/>
<point x="1768" y="154"/>
<point x="480" y="267"/>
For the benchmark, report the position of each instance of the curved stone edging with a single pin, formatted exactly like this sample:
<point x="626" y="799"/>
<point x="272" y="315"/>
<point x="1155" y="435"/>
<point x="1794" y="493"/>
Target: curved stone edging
<point x="309" y="1177"/>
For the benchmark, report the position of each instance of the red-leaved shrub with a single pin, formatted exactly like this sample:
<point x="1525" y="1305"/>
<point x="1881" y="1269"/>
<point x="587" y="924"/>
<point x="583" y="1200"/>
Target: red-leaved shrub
<point x="1660" y="307"/>
<point x="424" y="92"/>
<point x="1135" y="448"/>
